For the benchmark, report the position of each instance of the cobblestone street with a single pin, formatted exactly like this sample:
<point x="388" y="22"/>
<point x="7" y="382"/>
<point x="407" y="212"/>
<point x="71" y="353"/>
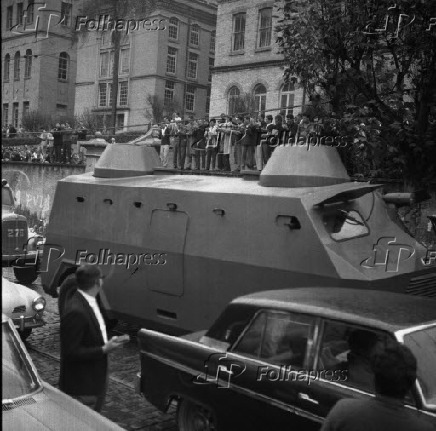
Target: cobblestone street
<point x="122" y="405"/>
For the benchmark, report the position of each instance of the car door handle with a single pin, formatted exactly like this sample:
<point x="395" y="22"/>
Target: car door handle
<point x="306" y="397"/>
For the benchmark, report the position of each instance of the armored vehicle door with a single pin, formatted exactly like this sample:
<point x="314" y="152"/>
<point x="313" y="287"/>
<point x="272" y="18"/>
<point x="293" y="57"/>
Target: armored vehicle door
<point x="167" y="237"/>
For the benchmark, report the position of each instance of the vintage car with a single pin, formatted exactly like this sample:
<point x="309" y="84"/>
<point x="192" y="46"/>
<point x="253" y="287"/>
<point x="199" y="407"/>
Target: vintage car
<point x="280" y="360"/>
<point x="23" y="305"/>
<point x="31" y="404"/>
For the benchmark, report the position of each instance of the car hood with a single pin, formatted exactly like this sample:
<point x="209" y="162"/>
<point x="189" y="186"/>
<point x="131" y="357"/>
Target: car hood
<point x="14" y="295"/>
<point x="54" y="410"/>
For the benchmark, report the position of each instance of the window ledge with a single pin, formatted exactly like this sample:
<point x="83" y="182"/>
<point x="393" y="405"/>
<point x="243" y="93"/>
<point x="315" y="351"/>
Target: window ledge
<point x="170" y="39"/>
<point x="192" y="79"/>
<point x="170" y="73"/>
<point x="62" y="80"/>
<point x="27" y="77"/>
<point x="264" y="48"/>
<point x="239" y="52"/>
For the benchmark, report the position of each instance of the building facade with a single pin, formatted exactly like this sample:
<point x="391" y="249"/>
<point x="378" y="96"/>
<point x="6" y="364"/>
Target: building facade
<point x="248" y="64"/>
<point x="38" y="59"/>
<point x="164" y="66"/>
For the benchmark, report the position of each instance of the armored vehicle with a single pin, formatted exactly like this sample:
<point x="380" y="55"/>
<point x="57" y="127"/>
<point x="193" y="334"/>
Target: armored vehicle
<point x="175" y="249"/>
<point x="17" y="250"/>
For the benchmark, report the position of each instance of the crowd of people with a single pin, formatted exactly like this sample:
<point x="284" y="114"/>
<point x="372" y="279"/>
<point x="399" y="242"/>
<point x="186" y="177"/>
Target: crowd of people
<point x="55" y="146"/>
<point x="241" y="142"/>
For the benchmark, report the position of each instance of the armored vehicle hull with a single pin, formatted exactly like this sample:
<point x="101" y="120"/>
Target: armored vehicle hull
<point x="175" y="249"/>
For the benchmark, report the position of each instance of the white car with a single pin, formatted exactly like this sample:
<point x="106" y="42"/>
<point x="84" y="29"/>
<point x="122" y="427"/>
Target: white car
<point x="23" y="305"/>
<point x="30" y="404"/>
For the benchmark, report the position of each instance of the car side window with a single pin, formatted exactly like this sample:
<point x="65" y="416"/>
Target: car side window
<point x="277" y="337"/>
<point x="347" y="349"/>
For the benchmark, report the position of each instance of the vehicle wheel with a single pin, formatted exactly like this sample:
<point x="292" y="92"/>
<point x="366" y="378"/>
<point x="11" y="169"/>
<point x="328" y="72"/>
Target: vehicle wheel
<point x="25" y="275"/>
<point x="193" y="417"/>
<point x="24" y="334"/>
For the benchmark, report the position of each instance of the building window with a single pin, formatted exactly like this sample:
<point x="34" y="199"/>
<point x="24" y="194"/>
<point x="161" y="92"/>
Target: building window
<point x="120" y="121"/>
<point x="211" y="64"/>
<point x="19" y="13"/>
<point x="28" y="64"/>
<point x="173" y="28"/>
<point x="17" y="66"/>
<point x="192" y="65"/>
<point x="9" y="14"/>
<point x="287" y="98"/>
<point x="169" y="93"/>
<point x="238" y="31"/>
<point x="66" y="14"/>
<point x="212" y="41"/>
<point x="106" y="38"/>
<point x="171" y="60"/>
<point x="233" y="97"/>
<point x="15" y="115"/>
<point x="26" y="108"/>
<point x="190" y="98"/>
<point x="125" y="60"/>
<point x="194" y="35"/>
<point x="6" y="67"/>
<point x="102" y="94"/>
<point x="123" y="91"/>
<point x="5" y="114"/>
<point x="30" y="11"/>
<point x="265" y="28"/>
<point x="208" y="101"/>
<point x="260" y="97"/>
<point x="61" y="111"/>
<point x="104" y="64"/>
<point x="63" y="66"/>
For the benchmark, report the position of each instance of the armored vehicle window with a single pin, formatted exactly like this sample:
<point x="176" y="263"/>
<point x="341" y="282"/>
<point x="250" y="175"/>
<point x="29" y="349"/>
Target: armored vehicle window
<point x="345" y="224"/>
<point x="278" y="337"/>
<point x="7" y="198"/>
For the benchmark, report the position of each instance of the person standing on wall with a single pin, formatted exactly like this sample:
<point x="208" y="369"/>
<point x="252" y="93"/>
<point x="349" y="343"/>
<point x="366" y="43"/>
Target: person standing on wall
<point x="165" y="143"/>
<point x="57" y="143"/>
<point x="84" y="341"/>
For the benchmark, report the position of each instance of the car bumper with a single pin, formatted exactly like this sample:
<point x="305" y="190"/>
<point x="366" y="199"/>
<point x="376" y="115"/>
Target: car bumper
<point x="27" y="258"/>
<point x="22" y="322"/>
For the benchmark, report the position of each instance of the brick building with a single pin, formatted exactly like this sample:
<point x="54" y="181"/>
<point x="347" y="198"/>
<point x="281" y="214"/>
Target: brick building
<point x="247" y="61"/>
<point x="38" y="59"/>
<point x="169" y="58"/>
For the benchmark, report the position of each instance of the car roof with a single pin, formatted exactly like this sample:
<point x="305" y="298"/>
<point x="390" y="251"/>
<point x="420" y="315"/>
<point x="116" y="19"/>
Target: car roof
<point x="388" y="311"/>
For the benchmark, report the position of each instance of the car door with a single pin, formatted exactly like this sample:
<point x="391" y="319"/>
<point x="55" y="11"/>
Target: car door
<point x="276" y="348"/>
<point x="341" y="367"/>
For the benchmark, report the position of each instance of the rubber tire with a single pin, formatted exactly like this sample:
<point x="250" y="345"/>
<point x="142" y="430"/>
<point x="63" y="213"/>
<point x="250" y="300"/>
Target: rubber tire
<point x="25" y="275"/>
<point x="193" y="417"/>
<point x="25" y="333"/>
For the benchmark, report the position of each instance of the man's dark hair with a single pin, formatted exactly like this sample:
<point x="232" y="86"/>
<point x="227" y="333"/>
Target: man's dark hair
<point x="394" y="371"/>
<point x="87" y="276"/>
<point x="269" y="117"/>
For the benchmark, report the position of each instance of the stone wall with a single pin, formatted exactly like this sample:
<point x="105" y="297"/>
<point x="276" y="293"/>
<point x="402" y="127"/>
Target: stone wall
<point x="34" y="185"/>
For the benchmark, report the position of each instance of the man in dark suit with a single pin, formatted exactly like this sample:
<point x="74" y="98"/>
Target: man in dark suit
<point x="84" y="341"/>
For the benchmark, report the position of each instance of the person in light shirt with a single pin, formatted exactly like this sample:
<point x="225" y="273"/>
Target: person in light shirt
<point x="84" y="341"/>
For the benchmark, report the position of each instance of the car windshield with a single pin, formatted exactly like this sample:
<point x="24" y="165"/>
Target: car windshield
<point x="423" y="345"/>
<point x="17" y="375"/>
<point x="7" y="198"/>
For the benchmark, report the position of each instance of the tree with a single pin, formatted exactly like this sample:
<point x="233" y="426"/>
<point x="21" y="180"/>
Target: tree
<point x="34" y="121"/>
<point x="124" y="15"/>
<point x="156" y="108"/>
<point x="375" y="62"/>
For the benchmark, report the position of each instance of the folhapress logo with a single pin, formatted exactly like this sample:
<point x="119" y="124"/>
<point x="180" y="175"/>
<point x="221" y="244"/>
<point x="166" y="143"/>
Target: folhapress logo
<point x="389" y="254"/>
<point x="54" y="18"/>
